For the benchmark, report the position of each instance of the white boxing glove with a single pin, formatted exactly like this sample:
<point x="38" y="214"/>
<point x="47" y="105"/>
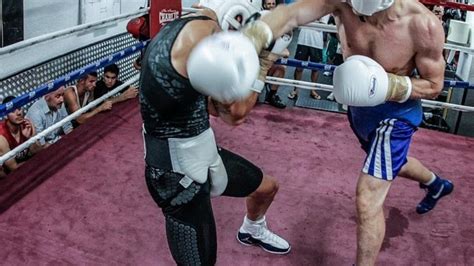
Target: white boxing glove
<point x="361" y="81"/>
<point x="223" y="66"/>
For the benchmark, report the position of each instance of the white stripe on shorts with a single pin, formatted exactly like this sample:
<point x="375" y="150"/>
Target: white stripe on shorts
<point x="388" y="150"/>
<point x="371" y="154"/>
<point x="382" y="137"/>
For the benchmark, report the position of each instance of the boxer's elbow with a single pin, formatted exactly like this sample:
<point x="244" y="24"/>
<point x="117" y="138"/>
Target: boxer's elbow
<point x="233" y="114"/>
<point x="233" y="120"/>
<point x="237" y="122"/>
<point x="237" y="116"/>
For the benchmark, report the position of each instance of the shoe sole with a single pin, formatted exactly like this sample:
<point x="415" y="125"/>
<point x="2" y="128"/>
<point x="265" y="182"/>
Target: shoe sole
<point x="269" y="251"/>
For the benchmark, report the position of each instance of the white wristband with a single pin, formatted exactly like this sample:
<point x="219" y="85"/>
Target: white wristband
<point x="258" y="86"/>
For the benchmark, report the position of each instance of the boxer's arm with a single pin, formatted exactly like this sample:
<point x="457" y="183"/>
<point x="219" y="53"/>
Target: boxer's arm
<point x="428" y="59"/>
<point x="11" y="163"/>
<point x="72" y="106"/>
<point x="285" y="18"/>
<point x="70" y="100"/>
<point x="193" y="33"/>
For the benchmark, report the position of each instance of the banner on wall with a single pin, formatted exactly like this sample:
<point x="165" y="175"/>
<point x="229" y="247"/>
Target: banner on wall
<point x="162" y="12"/>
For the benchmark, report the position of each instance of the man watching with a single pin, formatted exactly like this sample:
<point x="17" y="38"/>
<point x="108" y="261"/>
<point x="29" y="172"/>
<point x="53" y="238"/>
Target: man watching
<point x="110" y="81"/>
<point x="79" y="95"/>
<point x="14" y="130"/>
<point x="48" y="111"/>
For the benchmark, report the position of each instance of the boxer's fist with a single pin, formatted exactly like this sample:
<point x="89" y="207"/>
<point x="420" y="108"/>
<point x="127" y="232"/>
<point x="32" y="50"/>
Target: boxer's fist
<point x="259" y="33"/>
<point x="268" y="58"/>
<point x="361" y="81"/>
<point x="223" y="66"/>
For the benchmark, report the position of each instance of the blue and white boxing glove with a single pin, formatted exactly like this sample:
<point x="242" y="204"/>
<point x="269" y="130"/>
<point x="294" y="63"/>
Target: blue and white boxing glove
<point x="361" y="81"/>
<point x="224" y="66"/>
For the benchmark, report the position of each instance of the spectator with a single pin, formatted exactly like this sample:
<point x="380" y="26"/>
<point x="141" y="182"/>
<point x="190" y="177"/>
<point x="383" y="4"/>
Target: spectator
<point x="269" y="4"/>
<point x="47" y="111"/>
<point x="14" y="130"/>
<point x="310" y="47"/>
<point x="109" y="82"/>
<point x="451" y="56"/>
<point x="79" y="95"/>
<point x="438" y="11"/>
<point x="276" y="70"/>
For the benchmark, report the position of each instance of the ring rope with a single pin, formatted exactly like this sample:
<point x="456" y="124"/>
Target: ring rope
<point x="53" y="85"/>
<point x="326" y="67"/>
<point x="69" y="118"/>
<point x="449" y="4"/>
<point x="332" y="28"/>
<point x="45" y="88"/>
<point x="61" y="33"/>
<point x="325" y="87"/>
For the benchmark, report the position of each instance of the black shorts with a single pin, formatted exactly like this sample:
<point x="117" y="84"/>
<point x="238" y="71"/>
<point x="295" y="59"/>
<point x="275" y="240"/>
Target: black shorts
<point x="190" y="225"/>
<point x="243" y="176"/>
<point x="307" y="53"/>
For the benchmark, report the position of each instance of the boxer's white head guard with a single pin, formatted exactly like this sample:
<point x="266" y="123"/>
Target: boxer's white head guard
<point x="227" y="11"/>
<point x="369" y="7"/>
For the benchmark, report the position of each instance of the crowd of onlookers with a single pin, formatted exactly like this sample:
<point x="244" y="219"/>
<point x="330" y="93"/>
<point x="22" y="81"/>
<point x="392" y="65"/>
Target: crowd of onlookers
<point x="19" y="126"/>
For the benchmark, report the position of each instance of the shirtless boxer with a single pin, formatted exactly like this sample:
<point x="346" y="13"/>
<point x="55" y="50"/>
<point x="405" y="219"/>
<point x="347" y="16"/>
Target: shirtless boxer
<point x="393" y="58"/>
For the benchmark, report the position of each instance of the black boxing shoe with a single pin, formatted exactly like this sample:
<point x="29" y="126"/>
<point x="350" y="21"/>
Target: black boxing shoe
<point x="275" y="101"/>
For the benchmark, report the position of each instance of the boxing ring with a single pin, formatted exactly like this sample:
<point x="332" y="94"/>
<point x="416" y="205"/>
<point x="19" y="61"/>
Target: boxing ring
<point x="84" y="199"/>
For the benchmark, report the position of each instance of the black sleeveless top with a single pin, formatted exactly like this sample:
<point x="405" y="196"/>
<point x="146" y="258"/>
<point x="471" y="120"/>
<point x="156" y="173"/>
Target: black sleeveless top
<point x="170" y="107"/>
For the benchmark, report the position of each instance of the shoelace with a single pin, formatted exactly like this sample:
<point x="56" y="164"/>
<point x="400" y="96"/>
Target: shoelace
<point x="264" y="234"/>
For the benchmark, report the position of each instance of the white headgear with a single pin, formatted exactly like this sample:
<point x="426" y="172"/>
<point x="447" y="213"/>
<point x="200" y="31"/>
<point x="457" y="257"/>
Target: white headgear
<point x="369" y="7"/>
<point x="228" y="10"/>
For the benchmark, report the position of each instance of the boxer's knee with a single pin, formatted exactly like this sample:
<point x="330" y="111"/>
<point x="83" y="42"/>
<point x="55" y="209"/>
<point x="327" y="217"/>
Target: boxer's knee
<point x="267" y="189"/>
<point x="191" y="233"/>
<point x="182" y="241"/>
<point x="370" y="195"/>
<point x="190" y="226"/>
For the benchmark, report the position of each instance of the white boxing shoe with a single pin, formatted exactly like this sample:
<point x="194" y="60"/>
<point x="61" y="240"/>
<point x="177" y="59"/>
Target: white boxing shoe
<point x="257" y="233"/>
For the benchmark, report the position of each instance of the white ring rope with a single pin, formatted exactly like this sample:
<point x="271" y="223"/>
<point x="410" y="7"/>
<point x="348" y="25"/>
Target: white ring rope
<point x="69" y="118"/>
<point x="332" y="28"/>
<point x="325" y="87"/>
<point x="62" y="33"/>
<point x="190" y="9"/>
<point x="269" y="79"/>
<point x="320" y="26"/>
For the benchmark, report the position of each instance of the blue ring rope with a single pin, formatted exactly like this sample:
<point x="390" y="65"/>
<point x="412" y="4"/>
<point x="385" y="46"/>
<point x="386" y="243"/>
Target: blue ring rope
<point x="63" y="80"/>
<point x="53" y="85"/>
<point x="325" y="67"/>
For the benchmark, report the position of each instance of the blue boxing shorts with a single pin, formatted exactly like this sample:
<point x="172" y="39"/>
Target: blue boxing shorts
<point x="387" y="149"/>
<point x="385" y="138"/>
